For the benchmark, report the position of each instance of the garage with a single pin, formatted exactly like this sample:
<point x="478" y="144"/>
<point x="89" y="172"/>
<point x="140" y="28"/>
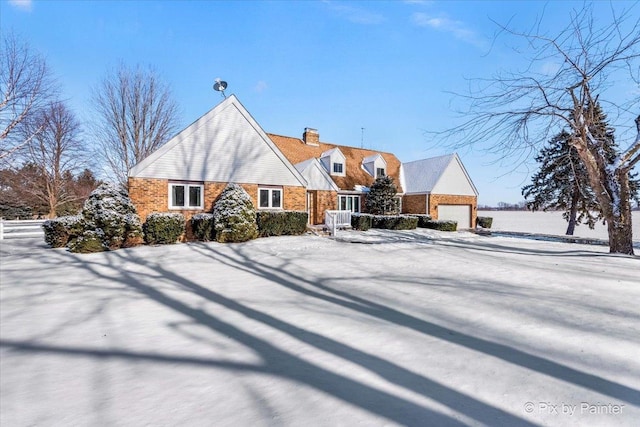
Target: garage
<point x="459" y="213"/>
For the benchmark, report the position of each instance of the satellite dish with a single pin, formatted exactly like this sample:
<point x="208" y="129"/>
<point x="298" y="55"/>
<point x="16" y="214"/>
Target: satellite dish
<point x="220" y="86"/>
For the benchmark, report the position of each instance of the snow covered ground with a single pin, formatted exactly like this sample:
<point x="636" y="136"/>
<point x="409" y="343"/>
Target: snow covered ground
<point x="378" y="328"/>
<point x="550" y="223"/>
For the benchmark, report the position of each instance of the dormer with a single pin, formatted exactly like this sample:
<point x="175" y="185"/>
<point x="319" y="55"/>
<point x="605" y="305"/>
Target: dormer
<point x="375" y="165"/>
<point x="334" y="162"/>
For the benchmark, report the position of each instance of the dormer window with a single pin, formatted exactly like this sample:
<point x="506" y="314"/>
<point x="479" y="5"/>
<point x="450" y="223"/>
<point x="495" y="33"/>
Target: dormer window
<point x="334" y="162"/>
<point x="375" y="165"/>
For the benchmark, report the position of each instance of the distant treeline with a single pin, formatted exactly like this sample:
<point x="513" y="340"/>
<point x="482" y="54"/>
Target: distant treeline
<point x="522" y="206"/>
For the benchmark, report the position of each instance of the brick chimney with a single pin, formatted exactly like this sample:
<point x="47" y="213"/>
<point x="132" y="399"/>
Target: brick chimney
<point x="311" y="136"/>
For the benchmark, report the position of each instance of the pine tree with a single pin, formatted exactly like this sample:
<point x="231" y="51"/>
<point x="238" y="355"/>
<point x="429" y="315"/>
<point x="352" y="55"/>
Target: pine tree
<point x="381" y="199"/>
<point x="562" y="182"/>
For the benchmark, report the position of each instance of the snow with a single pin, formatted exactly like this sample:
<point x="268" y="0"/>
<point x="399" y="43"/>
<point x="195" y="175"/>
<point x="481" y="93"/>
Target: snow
<point x="551" y="223"/>
<point x="373" y="328"/>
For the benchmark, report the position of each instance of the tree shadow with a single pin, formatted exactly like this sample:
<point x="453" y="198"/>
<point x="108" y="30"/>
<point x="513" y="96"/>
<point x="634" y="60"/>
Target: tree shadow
<point x="282" y="276"/>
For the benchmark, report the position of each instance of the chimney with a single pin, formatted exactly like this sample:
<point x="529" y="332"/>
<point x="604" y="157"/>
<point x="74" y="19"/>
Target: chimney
<point x="311" y="137"/>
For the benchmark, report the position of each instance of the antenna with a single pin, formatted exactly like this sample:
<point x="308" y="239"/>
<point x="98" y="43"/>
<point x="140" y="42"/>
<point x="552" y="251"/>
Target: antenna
<point x="220" y="86"/>
<point x="361" y="137"/>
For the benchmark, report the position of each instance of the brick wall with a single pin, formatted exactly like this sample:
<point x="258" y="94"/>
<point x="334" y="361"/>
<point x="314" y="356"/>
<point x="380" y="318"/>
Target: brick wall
<point x="446" y="199"/>
<point x="414" y="204"/>
<point x="324" y="200"/>
<point x="295" y="198"/>
<point x="152" y="195"/>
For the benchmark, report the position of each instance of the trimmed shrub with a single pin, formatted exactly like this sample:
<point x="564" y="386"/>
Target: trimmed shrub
<point x="394" y="222"/>
<point x="112" y="217"/>
<point x="422" y="220"/>
<point x="58" y="231"/>
<point x="234" y="216"/>
<point x="88" y="242"/>
<point x="442" y="225"/>
<point x="361" y="222"/>
<point x="163" y="228"/>
<point x="281" y="223"/>
<point x="203" y="227"/>
<point x="485" y="221"/>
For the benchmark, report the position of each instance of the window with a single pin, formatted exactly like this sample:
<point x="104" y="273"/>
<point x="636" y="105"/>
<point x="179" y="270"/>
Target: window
<point x="380" y="172"/>
<point x="349" y="203"/>
<point x="185" y="196"/>
<point x="270" y="198"/>
<point x="338" y="168"/>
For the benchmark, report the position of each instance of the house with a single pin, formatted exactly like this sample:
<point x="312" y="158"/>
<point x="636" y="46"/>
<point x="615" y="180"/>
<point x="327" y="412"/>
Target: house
<point x="351" y="170"/>
<point x="189" y="172"/>
<point x="441" y="187"/>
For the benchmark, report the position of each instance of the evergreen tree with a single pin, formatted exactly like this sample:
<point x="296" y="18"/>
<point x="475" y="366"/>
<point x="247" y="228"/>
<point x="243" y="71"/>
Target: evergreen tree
<point x="381" y="199"/>
<point x="562" y="182"/>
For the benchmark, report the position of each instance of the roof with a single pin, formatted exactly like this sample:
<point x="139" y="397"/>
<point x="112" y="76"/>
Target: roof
<point x="425" y="176"/>
<point x="223" y="145"/>
<point x="316" y="175"/>
<point x="297" y="152"/>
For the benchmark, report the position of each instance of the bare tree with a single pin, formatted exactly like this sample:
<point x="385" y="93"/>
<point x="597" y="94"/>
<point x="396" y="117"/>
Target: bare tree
<point x="519" y="111"/>
<point x="136" y="114"/>
<point x="25" y="87"/>
<point x="56" y="152"/>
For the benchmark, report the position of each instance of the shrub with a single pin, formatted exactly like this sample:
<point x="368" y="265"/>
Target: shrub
<point x="442" y="225"/>
<point x="281" y="223"/>
<point x="422" y="220"/>
<point x="88" y="242"/>
<point x="163" y="228"/>
<point x="394" y="222"/>
<point x="110" y="214"/>
<point x="234" y="216"/>
<point x="58" y="231"/>
<point x="361" y="221"/>
<point x="203" y="227"/>
<point x="485" y="221"/>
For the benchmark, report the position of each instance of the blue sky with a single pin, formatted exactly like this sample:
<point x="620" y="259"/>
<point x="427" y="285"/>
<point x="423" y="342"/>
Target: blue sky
<point x="387" y="67"/>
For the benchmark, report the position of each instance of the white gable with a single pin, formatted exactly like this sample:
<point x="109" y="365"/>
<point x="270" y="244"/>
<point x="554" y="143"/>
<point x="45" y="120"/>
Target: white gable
<point x="439" y="175"/>
<point x="329" y="157"/>
<point x="224" y="145"/>
<point x="316" y="176"/>
<point x="373" y="162"/>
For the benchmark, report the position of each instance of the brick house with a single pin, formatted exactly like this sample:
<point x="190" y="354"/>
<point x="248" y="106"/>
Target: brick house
<point x="189" y="172"/>
<point x="351" y="171"/>
<point x="441" y="187"/>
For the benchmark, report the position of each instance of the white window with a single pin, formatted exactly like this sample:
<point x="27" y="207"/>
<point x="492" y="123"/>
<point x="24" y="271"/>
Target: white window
<point x="349" y="203"/>
<point x="380" y="172"/>
<point x="338" y="168"/>
<point x="185" y="196"/>
<point x="270" y="198"/>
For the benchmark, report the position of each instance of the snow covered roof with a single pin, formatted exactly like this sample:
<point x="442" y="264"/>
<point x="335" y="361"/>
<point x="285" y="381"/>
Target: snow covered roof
<point x="425" y="176"/>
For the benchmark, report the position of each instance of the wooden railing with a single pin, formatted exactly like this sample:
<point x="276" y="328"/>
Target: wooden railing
<point x="335" y="220"/>
<point x="20" y="229"/>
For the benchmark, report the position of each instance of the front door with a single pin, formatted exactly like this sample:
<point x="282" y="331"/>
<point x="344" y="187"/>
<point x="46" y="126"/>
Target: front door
<point x="311" y="207"/>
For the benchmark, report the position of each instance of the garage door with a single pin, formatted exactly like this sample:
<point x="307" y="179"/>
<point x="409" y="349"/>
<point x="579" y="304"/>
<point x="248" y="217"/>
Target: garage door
<point x="459" y="213"/>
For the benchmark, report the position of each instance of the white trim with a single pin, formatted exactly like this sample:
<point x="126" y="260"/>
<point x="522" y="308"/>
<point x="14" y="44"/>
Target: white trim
<point x="352" y="197"/>
<point x="270" y="191"/>
<point x="187" y="186"/>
